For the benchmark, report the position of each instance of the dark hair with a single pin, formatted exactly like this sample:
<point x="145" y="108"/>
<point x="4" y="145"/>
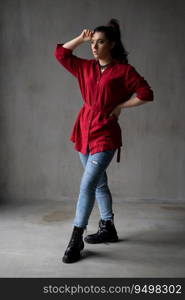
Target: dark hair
<point x="112" y="33"/>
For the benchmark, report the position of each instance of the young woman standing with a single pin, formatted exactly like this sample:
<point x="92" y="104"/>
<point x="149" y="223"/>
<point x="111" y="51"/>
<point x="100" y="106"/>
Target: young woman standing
<point x="107" y="83"/>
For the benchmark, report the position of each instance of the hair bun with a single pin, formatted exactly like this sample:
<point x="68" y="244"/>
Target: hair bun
<point x="114" y="24"/>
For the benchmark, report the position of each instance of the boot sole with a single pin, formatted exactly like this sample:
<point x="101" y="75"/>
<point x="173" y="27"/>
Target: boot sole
<point x="66" y="260"/>
<point x="101" y="242"/>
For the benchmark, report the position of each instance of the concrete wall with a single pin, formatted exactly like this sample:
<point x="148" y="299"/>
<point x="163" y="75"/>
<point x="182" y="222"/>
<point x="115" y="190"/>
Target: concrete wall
<point x="40" y="99"/>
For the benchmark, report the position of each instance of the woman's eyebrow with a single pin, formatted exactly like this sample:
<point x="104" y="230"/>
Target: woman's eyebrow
<point x="96" y="40"/>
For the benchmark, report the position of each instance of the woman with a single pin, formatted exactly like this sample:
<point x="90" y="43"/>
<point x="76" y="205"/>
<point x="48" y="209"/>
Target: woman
<point x="107" y="83"/>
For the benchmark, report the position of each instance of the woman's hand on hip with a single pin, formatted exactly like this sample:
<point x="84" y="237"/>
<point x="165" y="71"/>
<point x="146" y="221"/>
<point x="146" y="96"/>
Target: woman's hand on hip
<point x="116" y="111"/>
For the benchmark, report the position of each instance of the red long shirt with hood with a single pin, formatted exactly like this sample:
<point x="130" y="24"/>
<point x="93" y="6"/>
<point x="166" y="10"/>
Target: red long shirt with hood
<point x="101" y="93"/>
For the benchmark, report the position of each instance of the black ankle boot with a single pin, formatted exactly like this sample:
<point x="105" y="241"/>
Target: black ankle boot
<point x="106" y="233"/>
<point x="76" y="244"/>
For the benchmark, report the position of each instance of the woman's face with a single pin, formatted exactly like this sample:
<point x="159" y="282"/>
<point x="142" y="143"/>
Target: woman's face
<point x="100" y="45"/>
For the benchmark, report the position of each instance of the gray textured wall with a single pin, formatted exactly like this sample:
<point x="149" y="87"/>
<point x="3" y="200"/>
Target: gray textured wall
<point x="40" y="100"/>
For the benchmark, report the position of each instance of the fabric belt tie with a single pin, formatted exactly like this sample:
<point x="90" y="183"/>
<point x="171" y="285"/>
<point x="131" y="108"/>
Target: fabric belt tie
<point x="118" y="154"/>
<point x="94" y="108"/>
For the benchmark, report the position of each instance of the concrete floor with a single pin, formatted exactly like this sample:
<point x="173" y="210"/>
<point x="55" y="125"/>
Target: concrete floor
<point x="34" y="237"/>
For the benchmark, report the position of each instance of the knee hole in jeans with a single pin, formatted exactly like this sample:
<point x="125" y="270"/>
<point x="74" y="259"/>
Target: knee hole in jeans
<point x="94" y="162"/>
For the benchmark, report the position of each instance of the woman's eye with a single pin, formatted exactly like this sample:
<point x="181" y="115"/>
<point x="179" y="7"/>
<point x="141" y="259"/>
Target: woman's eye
<point x="100" y="42"/>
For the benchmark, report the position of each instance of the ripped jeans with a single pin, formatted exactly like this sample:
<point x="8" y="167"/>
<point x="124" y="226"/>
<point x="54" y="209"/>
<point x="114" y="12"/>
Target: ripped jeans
<point x="94" y="184"/>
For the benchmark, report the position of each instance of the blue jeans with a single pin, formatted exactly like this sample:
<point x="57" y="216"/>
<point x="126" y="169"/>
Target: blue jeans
<point x="94" y="184"/>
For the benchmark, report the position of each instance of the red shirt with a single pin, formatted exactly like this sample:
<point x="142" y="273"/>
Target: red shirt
<point x="101" y="93"/>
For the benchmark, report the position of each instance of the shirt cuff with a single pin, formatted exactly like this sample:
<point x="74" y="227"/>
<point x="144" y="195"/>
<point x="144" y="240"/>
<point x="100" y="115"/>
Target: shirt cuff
<point x="61" y="52"/>
<point x="145" y="94"/>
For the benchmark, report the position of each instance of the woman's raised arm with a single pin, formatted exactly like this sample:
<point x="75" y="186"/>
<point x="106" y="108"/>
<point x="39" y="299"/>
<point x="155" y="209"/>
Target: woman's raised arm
<point x="86" y="35"/>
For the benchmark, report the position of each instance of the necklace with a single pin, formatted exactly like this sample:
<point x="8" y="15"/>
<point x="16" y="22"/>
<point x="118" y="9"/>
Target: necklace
<point x="104" y="66"/>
